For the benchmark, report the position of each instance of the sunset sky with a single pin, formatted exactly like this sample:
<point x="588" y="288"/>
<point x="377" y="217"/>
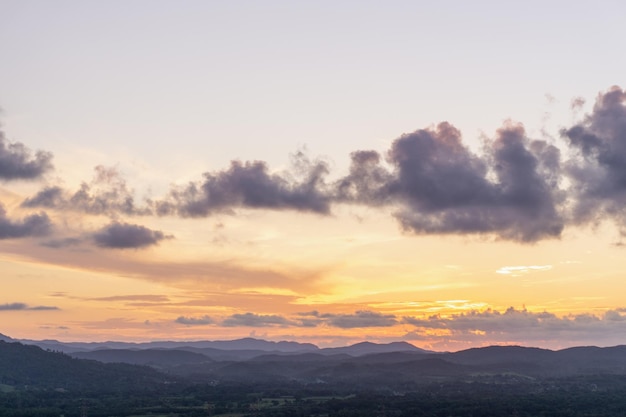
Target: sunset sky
<point x="451" y="174"/>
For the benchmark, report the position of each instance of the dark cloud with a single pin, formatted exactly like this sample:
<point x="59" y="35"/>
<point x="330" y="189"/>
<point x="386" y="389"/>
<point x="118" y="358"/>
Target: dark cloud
<point x="127" y="236"/>
<point x="256" y="320"/>
<point x="368" y="181"/>
<point x="194" y="321"/>
<point x="22" y="306"/>
<point x="515" y="188"/>
<point x="106" y="194"/>
<point x="360" y="319"/>
<point x="598" y="170"/>
<point x="32" y="225"/>
<point x="17" y="161"/>
<point x="441" y="187"/>
<point x="251" y="185"/>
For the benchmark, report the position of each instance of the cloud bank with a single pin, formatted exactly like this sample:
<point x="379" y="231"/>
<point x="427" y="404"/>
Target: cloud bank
<point x="515" y="325"/>
<point x="516" y="188"/>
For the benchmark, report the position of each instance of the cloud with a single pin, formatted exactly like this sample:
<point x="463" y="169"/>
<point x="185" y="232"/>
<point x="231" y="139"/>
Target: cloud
<point x="23" y="306"/>
<point x="184" y="274"/>
<point x="251" y="185"/>
<point x="62" y="243"/>
<point x="523" y="325"/>
<point x="44" y="308"/>
<point x="17" y="162"/>
<point x="32" y="225"/>
<point x="515" y="188"/>
<point x="517" y="270"/>
<point x="598" y="168"/>
<point x="155" y="298"/>
<point x="440" y="187"/>
<point x="126" y="236"/>
<point x="106" y="194"/>
<point x="194" y="321"/>
<point x="360" y="319"/>
<point x="256" y="320"/>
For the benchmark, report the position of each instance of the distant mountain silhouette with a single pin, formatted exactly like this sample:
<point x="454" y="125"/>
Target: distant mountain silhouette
<point x="153" y="357"/>
<point x="239" y="344"/>
<point x="368" y="348"/>
<point x="253" y="360"/>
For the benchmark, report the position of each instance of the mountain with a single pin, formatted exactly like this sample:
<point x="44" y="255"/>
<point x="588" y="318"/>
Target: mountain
<point x="30" y="366"/>
<point x="159" y="358"/>
<point x="535" y="361"/>
<point x="368" y="348"/>
<point x="366" y="365"/>
<point x="239" y="344"/>
<point x="5" y="338"/>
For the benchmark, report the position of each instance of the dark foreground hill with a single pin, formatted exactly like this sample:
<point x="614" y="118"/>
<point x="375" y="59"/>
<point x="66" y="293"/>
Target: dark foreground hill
<point x="494" y="381"/>
<point x="24" y="366"/>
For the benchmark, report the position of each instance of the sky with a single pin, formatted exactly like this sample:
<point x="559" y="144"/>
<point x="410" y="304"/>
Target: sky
<point x="451" y="174"/>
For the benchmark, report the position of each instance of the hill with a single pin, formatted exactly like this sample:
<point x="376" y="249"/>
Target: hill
<point x="30" y="366"/>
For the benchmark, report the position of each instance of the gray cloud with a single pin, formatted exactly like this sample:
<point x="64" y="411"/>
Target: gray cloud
<point x="106" y="194"/>
<point x="125" y="236"/>
<point x="194" y="321"/>
<point x="62" y="243"/>
<point x="251" y="185"/>
<point x="23" y="306"/>
<point x="598" y="170"/>
<point x="440" y="187"/>
<point x="32" y="225"/>
<point x="515" y="188"/>
<point x="17" y="161"/>
<point x="361" y="318"/>
<point x="256" y="320"/>
<point x="513" y="324"/>
<point x="44" y="308"/>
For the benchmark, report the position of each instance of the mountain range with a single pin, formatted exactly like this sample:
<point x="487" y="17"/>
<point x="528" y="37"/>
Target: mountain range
<point x="394" y="364"/>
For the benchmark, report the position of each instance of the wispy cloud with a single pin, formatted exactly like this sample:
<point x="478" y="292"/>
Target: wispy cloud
<point x="154" y="298"/>
<point x="195" y="321"/>
<point x="23" y="306"/>
<point x="518" y="270"/>
<point x="106" y="194"/>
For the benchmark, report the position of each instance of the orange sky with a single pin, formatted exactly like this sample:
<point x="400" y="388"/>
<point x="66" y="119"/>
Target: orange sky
<point x="327" y="173"/>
